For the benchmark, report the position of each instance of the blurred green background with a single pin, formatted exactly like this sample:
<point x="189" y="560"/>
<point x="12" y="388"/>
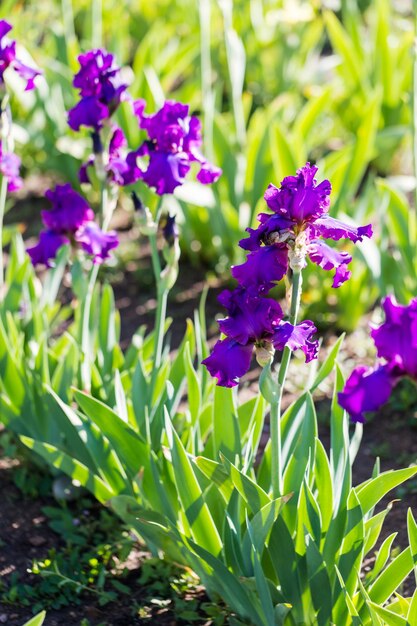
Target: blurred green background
<point x="276" y="84"/>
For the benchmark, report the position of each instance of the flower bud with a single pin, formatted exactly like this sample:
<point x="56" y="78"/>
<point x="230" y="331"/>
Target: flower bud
<point x="268" y="386"/>
<point x="169" y="228"/>
<point x="169" y="276"/>
<point x="264" y="353"/>
<point x="146" y="224"/>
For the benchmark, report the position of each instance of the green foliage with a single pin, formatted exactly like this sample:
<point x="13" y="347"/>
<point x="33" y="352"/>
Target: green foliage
<point x="37" y="620"/>
<point x="295" y="559"/>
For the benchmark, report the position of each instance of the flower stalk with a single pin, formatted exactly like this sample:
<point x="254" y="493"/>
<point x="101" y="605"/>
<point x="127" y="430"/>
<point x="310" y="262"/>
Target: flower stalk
<point x="275" y="398"/>
<point x="3" y="197"/>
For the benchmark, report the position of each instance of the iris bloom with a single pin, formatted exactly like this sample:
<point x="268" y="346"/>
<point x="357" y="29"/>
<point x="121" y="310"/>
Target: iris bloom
<point x="101" y="89"/>
<point x="8" y="58"/>
<point x="96" y="242"/>
<point x="253" y="322"/>
<point x="293" y="231"/>
<point x="367" y="389"/>
<point x="174" y="142"/>
<point x="46" y="249"/>
<point x="9" y="168"/>
<point x="71" y="220"/>
<point x="69" y="210"/>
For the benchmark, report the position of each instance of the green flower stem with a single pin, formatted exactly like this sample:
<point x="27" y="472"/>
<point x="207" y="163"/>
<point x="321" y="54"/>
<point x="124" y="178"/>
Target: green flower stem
<point x="86" y="348"/>
<point x="276" y="463"/>
<point x="106" y="211"/>
<point x="3" y="196"/>
<point x="276" y="399"/>
<point x="162" y="298"/>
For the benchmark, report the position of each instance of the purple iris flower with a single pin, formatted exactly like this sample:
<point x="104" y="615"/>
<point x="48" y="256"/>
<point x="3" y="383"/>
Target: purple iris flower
<point x="8" y="58"/>
<point x="96" y="242"/>
<point x="71" y="221"/>
<point x="101" y="89"/>
<point x="367" y="389"/>
<point x="253" y="322"/>
<point x="47" y="247"/>
<point x="9" y="168"/>
<point x="174" y="142"/>
<point x="69" y="210"/>
<point x="292" y="232"/>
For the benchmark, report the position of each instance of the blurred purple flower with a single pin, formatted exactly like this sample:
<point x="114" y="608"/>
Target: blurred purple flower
<point x="8" y="58"/>
<point x="291" y="233"/>
<point x="396" y="338"/>
<point x="47" y="247"/>
<point x="101" y="89"/>
<point x="174" y="142"/>
<point x="69" y="210"/>
<point x="96" y="242"/>
<point x="367" y="389"/>
<point x="9" y="168"/>
<point x="71" y="221"/>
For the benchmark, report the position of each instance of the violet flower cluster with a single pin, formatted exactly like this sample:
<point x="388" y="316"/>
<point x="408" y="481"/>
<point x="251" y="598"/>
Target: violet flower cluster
<point x="173" y="144"/>
<point x="368" y="388"/>
<point x="101" y="88"/>
<point x="283" y="240"/>
<point x="8" y="58"/>
<point x="9" y="162"/>
<point x="70" y="221"/>
<point x="174" y="139"/>
<point x="10" y="169"/>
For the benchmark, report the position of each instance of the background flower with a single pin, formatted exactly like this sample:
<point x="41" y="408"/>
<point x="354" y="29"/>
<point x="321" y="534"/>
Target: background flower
<point x="367" y="389"/>
<point x="8" y="58"/>
<point x="174" y="142"/>
<point x="101" y="88"/>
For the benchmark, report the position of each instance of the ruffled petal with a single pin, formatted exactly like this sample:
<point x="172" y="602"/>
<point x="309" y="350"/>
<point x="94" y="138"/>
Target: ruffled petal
<point x="27" y="73"/>
<point x="262" y="268"/>
<point x="331" y="228"/>
<point x="96" y="242"/>
<point x="5" y="28"/>
<point x="208" y="173"/>
<point x="300" y="198"/>
<point x="83" y="176"/>
<point x="297" y="337"/>
<point x="366" y="390"/>
<point x="166" y="171"/>
<point x="250" y="318"/>
<point x="47" y="247"/>
<point x="69" y="210"/>
<point x="88" y="112"/>
<point x="228" y="362"/>
<point x="329" y="258"/>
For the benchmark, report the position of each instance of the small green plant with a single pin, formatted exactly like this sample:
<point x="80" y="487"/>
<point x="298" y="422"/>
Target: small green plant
<point x="94" y="544"/>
